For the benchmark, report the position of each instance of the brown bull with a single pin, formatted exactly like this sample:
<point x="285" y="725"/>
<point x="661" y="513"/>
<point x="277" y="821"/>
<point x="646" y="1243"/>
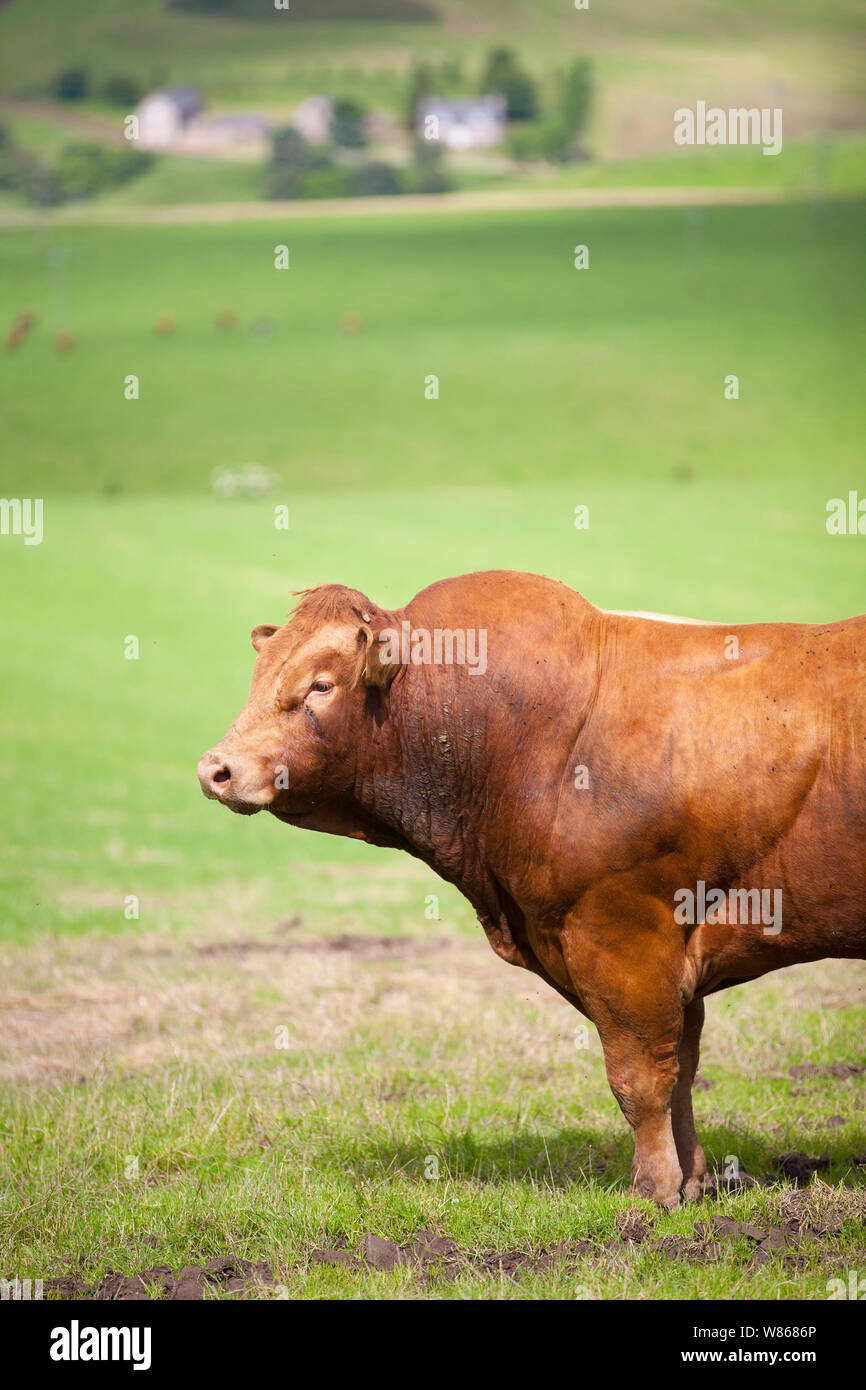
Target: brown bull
<point x="641" y="812"/>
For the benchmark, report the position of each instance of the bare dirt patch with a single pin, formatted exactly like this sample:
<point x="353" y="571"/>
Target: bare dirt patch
<point x="803" y="1221"/>
<point x="841" y="1071"/>
<point x="799" y="1167"/>
<point x="426" y="1251"/>
<point x="351" y="943"/>
<point x="159" y="1282"/>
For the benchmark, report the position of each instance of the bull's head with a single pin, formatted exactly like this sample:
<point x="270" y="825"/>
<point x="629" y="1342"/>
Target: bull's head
<point x="293" y="748"/>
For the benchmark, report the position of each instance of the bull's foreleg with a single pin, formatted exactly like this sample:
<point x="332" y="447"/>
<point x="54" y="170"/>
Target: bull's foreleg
<point x="642" y="1072"/>
<point x="689" y="1151"/>
<point x="629" y="983"/>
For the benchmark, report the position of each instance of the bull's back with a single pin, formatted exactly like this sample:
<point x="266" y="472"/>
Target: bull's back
<point x="739" y="753"/>
<point x="782" y="726"/>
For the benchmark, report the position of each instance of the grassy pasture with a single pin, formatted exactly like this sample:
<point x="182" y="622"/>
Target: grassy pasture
<point x="154" y="1039"/>
<point x="817" y="168"/>
<point x="149" y="1115"/>
<point x="547" y="374"/>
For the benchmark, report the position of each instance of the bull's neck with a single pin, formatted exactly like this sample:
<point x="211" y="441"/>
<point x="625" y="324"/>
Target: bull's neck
<point x="423" y="776"/>
<point x="435" y="807"/>
<point x="442" y="775"/>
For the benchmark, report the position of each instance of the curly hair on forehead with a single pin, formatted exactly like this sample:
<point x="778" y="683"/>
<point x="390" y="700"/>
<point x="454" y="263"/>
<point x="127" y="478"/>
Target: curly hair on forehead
<point x="328" y="603"/>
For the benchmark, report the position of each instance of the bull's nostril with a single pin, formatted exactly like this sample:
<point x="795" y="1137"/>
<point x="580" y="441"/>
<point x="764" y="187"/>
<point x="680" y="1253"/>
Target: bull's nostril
<point x="222" y="774"/>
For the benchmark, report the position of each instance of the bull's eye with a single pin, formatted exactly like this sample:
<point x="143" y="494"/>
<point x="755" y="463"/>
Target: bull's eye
<point x="321" y="687"/>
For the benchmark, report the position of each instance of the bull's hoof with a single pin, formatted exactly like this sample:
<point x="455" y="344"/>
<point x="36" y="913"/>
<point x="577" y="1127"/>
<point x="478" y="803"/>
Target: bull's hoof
<point x="693" y="1189"/>
<point x="665" y="1195"/>
<point x="667" y="1203"/>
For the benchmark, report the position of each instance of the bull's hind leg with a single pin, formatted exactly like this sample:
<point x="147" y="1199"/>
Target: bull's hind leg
<point x="689" y="1151"/>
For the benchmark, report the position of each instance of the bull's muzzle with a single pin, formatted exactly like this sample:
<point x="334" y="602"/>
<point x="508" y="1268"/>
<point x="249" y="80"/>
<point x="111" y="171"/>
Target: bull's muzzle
<point x="214" y="775"/>
<point x="222" y="782"/>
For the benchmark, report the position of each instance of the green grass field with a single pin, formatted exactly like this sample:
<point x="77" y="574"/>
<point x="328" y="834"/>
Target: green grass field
<point x="153" y="1040"/>
<point x="547" y="374"/>
<point x="818" y="168"/>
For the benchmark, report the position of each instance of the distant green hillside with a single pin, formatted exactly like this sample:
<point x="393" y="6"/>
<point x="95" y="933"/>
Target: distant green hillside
<point x="647" y="56"/>
<point x="406" y="11"/>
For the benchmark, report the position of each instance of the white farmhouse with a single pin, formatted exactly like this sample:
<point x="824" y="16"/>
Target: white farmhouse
<point x="312" y="119"/>
<point x="476" y="124"/>
<point x="240" y="135"/>
<point x="163" y="116"/>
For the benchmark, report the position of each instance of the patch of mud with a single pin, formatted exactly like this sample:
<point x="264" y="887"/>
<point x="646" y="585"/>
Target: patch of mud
<point x="795" y="1167"/>
<point x="348" y="943"/>
<point x="289" y="924"/>
<point x="374" y="1252"/>
<point x="634" y="1224"/>
<point x="841" y="1071"/>
<point x="636" y="1227"/>
<point x="807" y="1213"/>
<point x="160" y="1282"/>
<point x="427" y="1251"/>
<point x="799" y="1167"/>
<point x="694" y="1252"/>
<point x="565" y="1255"/>
<point x="786" y="1240"/>
<point x="721" y="1185"/>
<point x="803" y="1217"/>
<point x="823" y="1208"/>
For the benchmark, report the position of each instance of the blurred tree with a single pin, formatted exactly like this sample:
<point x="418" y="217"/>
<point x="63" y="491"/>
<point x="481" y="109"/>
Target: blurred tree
<point x="291" y="158"/>
<point x="376" y="179"/>
<point x="504" y="75"/>
<point x="347" y="125"/>
<point x="72" y="84"/>
<point x="121" y="90"/>
<point x="21" y="172"/>
<point x="422" y="83"/>
<point x="430" y="174"/>
<point x="84" y="168"/>
<point x="335" y="181"/>
<point x="550" y="140"/>
<point x="450" y="74"/>
<point x="576" y="96"/>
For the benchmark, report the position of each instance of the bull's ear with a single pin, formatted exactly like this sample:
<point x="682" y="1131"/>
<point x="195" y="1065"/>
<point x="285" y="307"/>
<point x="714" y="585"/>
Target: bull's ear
<point x="381" y="655"/>
<point x="260" y="635"/>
